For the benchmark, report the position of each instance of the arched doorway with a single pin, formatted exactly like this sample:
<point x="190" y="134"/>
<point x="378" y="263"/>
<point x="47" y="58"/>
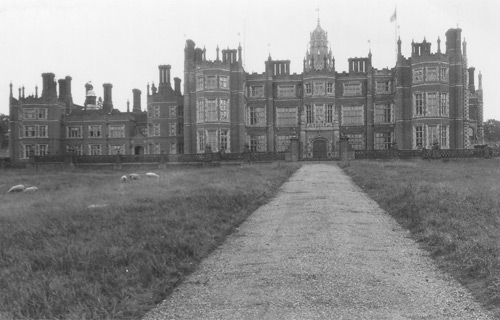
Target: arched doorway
<point x="139" y="150"/>
<point x="319" y="149"/>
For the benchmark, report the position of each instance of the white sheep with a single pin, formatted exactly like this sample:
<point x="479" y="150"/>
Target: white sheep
<point x="18" y="188"/>
<point x="31" y="189"/>
<point x="152" y="175"/>
<point x="123" y="178"/>
<point x="134" y="176"/>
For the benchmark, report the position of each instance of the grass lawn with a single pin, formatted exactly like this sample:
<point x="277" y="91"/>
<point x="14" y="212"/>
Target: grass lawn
<point x="61" y="258"/>
<point x="452" y="209"/>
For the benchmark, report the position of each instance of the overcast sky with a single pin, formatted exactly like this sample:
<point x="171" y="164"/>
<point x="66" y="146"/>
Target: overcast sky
<point x="123" y="42"/>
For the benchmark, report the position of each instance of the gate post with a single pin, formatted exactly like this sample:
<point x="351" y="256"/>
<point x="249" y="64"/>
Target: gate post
<point x="344" y="151"/>
<point x="292" y="153"/>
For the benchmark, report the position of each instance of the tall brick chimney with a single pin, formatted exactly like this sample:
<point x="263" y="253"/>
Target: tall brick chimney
<point x="68" y="96"/>
<point x="107" y="104"/>
<point x="164" y="74"/>
<point x="49" y="85"/>
<point x="177" y="82"/>
<point x="137" y="100"/>
<point x="62" y="88"/>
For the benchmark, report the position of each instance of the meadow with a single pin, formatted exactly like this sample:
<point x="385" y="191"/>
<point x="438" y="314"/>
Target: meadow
<point x="452" y="209"/>
<point x="87" y="246"/>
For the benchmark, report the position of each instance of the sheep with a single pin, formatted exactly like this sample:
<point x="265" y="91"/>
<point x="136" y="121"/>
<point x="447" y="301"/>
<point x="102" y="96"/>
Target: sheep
<point x="152" y="175"/>
<point x="134" y="176"/>
<point x="31" y="189"/>
<point x="123" y="178"/>
<point x="18" y="188"/>
<point x="97" y="206"/>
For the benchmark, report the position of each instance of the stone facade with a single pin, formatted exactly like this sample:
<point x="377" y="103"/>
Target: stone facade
<point x="427" y="99"/>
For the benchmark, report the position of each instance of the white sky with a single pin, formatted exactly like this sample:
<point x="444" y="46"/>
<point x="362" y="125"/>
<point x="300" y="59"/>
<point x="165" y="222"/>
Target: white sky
<point x="123" y="41"/>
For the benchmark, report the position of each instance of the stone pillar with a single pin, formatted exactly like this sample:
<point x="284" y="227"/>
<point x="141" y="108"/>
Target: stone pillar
<point x="344" y="151"/>
<point x="394" y="150"/>
<point x="163" y="160"/>
<point x="118" y="162"/>
<point x="207" y="158"/>
<point x="246" y="153"/>
<point x="292" y="153"/>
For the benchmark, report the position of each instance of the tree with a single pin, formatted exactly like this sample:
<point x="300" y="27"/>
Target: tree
<point x="492" y="130"/>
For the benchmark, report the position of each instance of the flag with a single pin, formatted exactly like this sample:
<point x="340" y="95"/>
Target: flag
<point x="393" y="17"/>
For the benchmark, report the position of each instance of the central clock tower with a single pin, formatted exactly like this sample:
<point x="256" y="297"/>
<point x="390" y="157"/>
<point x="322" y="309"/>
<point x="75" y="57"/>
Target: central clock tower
<point x="318" y="56"/>
<point x="319" y="118"/>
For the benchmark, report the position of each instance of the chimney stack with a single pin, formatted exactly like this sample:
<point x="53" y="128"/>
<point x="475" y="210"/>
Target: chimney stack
<point x="107" y="104"/>
<point x="164" y="74"/>
<point x="137" y="100"/>
<point x="177" y="82"/>
<point x="62" y="88"/>
<point x="49" y="85"/>
<point x="68" y="96"/>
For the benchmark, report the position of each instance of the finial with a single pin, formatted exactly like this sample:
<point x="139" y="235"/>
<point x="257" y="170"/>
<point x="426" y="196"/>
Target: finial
<point x="317" y="10"/>
<point x="10" y="89"/>
<point x="128" y="105"/>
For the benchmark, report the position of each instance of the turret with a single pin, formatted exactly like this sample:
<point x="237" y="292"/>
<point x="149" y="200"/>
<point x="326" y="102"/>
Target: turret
<point x="189" y="50"/>
<point x="472" y="88"/>
<point x="90" y="96"/>
<point x="240" y="61"/>
<point x="480" y="81"/>
<point x="420" y="49"/>
<point x="453" y="37"/>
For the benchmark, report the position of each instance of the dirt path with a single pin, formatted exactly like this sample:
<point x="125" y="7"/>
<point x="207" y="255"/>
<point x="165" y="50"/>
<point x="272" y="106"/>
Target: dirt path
<point x="320" y="250"/>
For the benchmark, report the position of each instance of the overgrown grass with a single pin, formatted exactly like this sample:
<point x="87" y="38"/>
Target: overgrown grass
<point x="451" y="208"/>
<point x="60" y="259"/>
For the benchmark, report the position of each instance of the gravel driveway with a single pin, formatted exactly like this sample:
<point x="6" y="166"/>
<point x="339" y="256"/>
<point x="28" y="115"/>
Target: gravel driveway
<point x="321" y="249"/>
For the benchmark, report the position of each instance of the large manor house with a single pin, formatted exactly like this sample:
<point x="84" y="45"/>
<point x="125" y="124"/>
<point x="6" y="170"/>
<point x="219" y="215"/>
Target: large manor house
<point x="427" y="99"/>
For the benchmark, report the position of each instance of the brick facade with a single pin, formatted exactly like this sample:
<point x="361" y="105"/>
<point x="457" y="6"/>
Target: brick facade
<point x="427" y="98"/>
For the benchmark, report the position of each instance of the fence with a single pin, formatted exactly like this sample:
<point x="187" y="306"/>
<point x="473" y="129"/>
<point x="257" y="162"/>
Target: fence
<point x="161" y="160"/>
<point x="427" y="153"/>
<point x="151" y="159"/>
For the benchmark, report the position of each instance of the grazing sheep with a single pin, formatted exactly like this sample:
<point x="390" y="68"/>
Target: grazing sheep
<point x="152" y="175"/>
<point x="134" y="176"/>
<point x="97" y="206"/>
<point x="18" y="188"/>
<point x="123" y="178"/>
<point x="31" y="189"/>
